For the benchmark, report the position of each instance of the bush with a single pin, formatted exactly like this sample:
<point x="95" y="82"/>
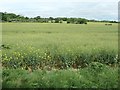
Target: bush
<point x="57" y="60"/>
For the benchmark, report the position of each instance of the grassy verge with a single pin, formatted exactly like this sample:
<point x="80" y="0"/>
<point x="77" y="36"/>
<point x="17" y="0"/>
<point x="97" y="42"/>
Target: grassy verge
<point x="96" y="75"/>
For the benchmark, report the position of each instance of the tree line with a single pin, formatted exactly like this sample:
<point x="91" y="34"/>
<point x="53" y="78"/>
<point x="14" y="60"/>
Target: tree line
<point x="11" y="17"/>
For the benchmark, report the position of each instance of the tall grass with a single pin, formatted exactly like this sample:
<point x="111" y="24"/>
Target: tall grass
<point x="89" y="77"/>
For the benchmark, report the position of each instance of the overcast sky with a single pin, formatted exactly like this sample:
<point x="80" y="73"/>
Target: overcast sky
<point x="90" y="9"/>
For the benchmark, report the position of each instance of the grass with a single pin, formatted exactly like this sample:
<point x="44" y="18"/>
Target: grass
<point x="60" y="35"/>
<point x="43" y="47"/>
<point x="70" y="78"/>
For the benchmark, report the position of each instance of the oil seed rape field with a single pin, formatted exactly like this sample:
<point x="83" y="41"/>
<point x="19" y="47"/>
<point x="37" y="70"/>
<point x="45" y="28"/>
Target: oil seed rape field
<point x="47" y="51"/>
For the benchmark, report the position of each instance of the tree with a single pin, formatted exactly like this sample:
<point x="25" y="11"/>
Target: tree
<point x="11" y="17"/>
<point x="56" y="20"/>
<point x="4" y="17"/>
<point x="37" y="18"/>
<point x="51" y="18"/>
<point x="64" y="19"/>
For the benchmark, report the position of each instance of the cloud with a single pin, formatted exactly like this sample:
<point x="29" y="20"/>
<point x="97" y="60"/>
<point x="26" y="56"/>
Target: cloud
<point x="32" y="1"/>
<point x="93" y="9"/>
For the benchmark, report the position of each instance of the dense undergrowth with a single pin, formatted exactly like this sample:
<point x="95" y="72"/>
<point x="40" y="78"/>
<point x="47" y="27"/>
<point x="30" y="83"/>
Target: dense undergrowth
<point x="53" y="59"/>
<point x="72" y="70"/>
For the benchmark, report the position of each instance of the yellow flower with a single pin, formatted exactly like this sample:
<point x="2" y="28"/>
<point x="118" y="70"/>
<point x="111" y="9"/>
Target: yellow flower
<point x="18" y="54"/>
<point x="45" y="53"/>
<point x="10" y="57"/>
<point x="6" y="57"/>
<point x="48" y="56"/>
<point x="21" y="56"/>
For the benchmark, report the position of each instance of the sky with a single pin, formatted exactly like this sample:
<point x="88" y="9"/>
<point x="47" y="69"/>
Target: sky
<point x="90" y="9"/>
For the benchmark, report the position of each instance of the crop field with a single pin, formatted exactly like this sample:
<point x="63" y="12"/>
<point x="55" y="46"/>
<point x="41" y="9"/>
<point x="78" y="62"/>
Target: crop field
<point x="73" y="55"/>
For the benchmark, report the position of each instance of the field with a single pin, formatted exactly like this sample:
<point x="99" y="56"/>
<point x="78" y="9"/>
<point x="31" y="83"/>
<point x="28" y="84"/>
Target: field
<point x="54" y="51"/>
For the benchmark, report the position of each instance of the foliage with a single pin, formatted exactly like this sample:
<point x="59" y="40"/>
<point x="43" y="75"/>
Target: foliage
<point x="34" y="60"/>
<point x="11" y="17"/>
<point x="70" y="78"/>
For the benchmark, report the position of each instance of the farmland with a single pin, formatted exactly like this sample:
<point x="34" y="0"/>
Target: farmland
<point x="36" y="48"/>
